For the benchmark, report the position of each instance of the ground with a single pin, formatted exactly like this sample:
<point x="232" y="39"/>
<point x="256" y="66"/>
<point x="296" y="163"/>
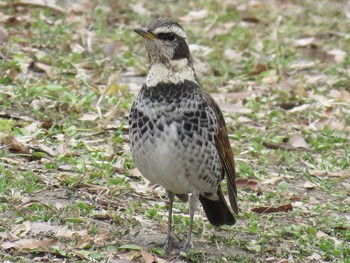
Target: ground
<point x="69" y="191"/>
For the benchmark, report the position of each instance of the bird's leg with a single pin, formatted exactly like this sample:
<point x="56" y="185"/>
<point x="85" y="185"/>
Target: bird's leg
<point x="170" y="220"/>
<point x="193" y="207"/>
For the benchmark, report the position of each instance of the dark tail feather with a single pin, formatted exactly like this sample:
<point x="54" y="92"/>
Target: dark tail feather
<point x="217" y="212"/>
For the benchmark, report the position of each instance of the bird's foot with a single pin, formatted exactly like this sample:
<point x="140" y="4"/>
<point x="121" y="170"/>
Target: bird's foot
<point x="186" y="246"/>
<point x="169" y="243"/>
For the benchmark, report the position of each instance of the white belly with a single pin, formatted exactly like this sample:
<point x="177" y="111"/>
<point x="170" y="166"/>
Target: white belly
<point x="162" y="162"/>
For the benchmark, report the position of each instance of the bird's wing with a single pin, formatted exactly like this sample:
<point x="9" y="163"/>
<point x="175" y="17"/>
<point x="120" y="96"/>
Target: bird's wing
<point x="225" y="152"/>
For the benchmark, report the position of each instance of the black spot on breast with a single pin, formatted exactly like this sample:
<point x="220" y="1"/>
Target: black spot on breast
<point x="160" y="126"/>
<point x="150" y="125"/>
<point x="193" y="121"/>
<point x="189" y="114"/>
<point x="187" y="126"/>
<point x="141" y="121"/>
<point x="168" y="122"/>
<point x="144" y="130"/>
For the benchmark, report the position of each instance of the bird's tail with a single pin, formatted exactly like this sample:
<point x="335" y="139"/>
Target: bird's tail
<point x="217" y="210"/>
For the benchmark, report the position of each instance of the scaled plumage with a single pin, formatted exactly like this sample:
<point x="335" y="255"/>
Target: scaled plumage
<point x="177" y="131"/>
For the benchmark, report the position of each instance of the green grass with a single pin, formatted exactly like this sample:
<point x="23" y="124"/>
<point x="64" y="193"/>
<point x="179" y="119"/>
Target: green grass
<point x="80" y="176"/>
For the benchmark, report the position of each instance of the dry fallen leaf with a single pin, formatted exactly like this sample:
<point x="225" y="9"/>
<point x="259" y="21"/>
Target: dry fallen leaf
<point x="296" y="140"/>
<point x="250" y="19"/>
<point x="314" y="257"/>
<point x="85" y="242"/>
<point x="234" y="107"/>
<point x="301" y="65"/>
<point x="302" y="42"/>
<point x="21" y="229"/>
<point x="139" y="9"/>
<point x="111" y="49"/>
<point x="89" y="117"/>
<point x="24" y="244"/>
<point x="310" y="185"/>
<point x="259" y="68"/>
<point x="329" y="123"/>
<point x="65" y="232"/>
<point x="329" y="174"/>
<point x="43" y="228"/>
<point x="270" y="79"/>
<point x="38" y="3"/>
<point x="283" y="146"/>
<point x="231" y="54"/>
<point x="194" y="15"/>
<point x="147" y="257"/>
<point x="314" y="52"/>
<point x="247" y="183"/>
<point x="339" y="55"/>
<point x="274" y="180"/>
<point x="49" y="70"/>
<point x="14" y="145"/>
<point x="4" y="36"/>
<point x="269" y="209"/>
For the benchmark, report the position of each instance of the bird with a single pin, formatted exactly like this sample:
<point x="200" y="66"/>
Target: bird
<point x="177" y="131"/>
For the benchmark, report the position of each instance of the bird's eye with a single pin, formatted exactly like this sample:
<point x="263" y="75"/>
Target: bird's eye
<point x="166" y="36"/>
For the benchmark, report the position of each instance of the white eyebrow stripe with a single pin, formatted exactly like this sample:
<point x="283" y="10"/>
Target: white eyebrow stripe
<point x="173" y="29"/>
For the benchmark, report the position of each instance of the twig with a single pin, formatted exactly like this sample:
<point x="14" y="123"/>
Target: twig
<point x="41" y="4"/>
<point x="284" y="146"/>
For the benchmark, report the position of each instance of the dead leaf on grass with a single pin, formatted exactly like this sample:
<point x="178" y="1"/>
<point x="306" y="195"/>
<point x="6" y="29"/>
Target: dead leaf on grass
<point x="8" y="236"/>
<point x="340" y="95"/>
<point x="302" y="65"/>
<point x="65" y="232"/>
<point x="235" y="107"/>
<point x="314" y="52"/>
<point x="89" y="117"/>
<point x="43" y="228"/>
<point x="195" y="15"/>
<point x="332" y="124"/>
<point x="14" y="145"/>
<point x="250" y="19"/>
<point x="329" y="174"/>
<point x="139" y="9"/>
<point x="300" y="108"/>
<point x="338" y="55"/>
<point x="303" y="42"/>
<point x="4" y="36"/>
<point x="247" y="183"/>
<point x="259" y="68"/>
<point x="148" y="257"/>
<point x="320" y="234"/>
<point x="310" y="185"/>
<point x="231" y="54"/>
<point x="314" y="257"/>
<point x="296" y="140"/>
<point x="266" y="209"/>
<point x="24" y="244"/>
<point x="283" y="146"/>
<point x="37" y="3"/>
<point x="270" y="79"/>
<point x="274" y="180"/>
<point x="85" y="242"/>
<point x="111" y="49"/>
<point x="47" y="69"/>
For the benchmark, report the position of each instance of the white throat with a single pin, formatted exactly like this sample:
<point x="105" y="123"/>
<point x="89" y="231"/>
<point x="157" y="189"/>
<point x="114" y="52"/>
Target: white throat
<point x="178" y="71"/>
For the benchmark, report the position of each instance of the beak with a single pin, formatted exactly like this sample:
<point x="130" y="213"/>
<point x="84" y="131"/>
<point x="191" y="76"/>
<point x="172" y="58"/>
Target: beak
<point x="145" y="33"/>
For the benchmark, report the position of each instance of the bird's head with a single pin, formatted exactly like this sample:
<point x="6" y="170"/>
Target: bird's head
<point x="165" y="41"/>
